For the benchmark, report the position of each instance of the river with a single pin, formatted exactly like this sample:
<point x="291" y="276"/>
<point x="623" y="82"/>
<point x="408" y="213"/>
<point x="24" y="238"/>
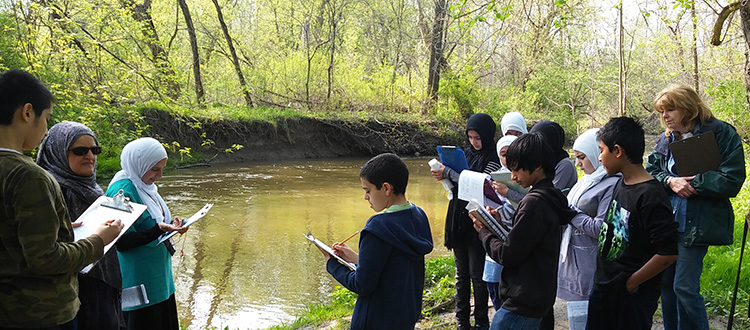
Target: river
<point x="246" y="265"/>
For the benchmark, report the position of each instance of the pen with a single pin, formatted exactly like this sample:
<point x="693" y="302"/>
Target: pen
<point x="348" y="238"/>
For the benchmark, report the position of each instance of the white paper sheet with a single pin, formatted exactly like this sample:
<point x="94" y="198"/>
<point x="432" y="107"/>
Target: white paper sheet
<point x="471" y="185"/>
<point x="97" y="214"/>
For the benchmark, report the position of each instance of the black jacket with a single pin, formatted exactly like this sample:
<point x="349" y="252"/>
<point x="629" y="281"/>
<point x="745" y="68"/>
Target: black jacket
<point x="528" y="283"/>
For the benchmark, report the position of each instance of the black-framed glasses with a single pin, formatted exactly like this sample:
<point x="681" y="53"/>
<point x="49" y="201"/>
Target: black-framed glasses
<point x="80" y="151"/>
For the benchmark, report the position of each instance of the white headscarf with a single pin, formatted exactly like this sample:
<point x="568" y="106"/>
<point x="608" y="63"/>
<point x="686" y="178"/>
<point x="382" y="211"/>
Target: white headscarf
<point x="137" y="158"/>
<point x="587" y="144"/>
<point x="513" y="120"/>
<point x="504" y="142"/>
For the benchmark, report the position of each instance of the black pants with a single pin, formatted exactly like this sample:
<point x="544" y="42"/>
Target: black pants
<point x="622" y="310"/>
<point x="100" y="305"/>
<point x="162" y="316"/>
<point x="469" y="257"/>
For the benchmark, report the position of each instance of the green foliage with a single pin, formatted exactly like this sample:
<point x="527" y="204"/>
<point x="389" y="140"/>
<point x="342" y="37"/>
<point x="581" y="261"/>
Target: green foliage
<point x="720" y="267"/>
<point x="730" y="104"/>
<point x="459" y="92"/>
<point x="439" y="287"/>
<point x="341" y="304"/>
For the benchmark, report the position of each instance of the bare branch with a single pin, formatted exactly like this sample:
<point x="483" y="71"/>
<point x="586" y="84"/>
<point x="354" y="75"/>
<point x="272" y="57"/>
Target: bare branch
<point x="719" y="25"/>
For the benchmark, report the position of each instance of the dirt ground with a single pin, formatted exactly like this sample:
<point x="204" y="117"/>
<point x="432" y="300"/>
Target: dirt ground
<point x="446" y="320"/>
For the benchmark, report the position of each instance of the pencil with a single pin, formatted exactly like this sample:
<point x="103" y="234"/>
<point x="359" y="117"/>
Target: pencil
<point x="348" y="238"/>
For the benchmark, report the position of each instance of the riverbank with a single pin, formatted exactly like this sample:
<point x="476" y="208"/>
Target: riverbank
<point x="298" y="137"/>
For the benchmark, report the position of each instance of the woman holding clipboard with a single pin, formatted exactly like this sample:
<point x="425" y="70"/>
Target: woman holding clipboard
<point x="460" y="235"/>
<point x="69" y="153"/>
<point x="142" y="259"/>
<point x="700" y="202"/>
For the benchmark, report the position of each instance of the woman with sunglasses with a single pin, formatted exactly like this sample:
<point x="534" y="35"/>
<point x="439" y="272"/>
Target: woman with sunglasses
<point x="142" y="259"/>
<point x="69" y="153"/>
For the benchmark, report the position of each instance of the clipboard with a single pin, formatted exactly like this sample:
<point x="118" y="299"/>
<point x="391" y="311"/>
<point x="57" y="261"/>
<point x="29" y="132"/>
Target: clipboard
<point x="189" y="221"/>
<point x="696" y="154"/>
<point x="97" y="214"/>
<point x="453" y="157"/>
<point x="328" y="249"/>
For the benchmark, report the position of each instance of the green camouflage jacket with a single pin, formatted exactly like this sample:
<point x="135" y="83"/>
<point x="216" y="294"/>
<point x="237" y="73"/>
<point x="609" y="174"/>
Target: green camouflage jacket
<point x="38" y="258"/>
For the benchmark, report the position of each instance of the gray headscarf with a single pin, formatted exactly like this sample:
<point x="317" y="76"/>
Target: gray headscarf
<point x="53" y="157"/>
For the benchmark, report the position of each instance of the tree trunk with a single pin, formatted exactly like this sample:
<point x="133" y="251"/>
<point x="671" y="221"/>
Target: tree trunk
<point x="233" y="52"/>
<point x="332" y="53"/>
<point x="695" y="47"/>
<point x="436" y="49"/>
<point x="199" y="94"/>
<point x="142" y="14"/>
<point x="745" y="23"/>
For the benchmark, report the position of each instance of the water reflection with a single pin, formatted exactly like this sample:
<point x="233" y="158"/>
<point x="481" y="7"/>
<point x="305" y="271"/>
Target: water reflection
<point x="246" y="264"/>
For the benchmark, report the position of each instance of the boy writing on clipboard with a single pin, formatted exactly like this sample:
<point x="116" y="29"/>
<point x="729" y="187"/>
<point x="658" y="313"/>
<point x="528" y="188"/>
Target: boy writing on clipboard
<point x="38" y="258"/>
<point x="389" y="277"/>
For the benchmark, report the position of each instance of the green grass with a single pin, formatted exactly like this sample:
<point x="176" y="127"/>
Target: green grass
<point x="439" y="287"/>
<point x="720" y="268"/>
<point x="341" y="304"/>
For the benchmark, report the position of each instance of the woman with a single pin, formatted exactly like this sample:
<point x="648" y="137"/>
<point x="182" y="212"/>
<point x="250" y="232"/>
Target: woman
<point x="564" y="179"/>
<point x="700" y="202"/>
<point x="513" y="123"/>
<point x="509" y="198"/>
<point x="69" y="153"/>
<point x="590" y="197"/>
<point x="142" y="260"/>
<point x="565" y="171"/>
<point x="460" y="235"/>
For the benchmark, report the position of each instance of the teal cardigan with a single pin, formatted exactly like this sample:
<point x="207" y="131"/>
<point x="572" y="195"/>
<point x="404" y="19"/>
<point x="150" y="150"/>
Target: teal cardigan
<point x="710" y="217"/>
<point x="149" y="264"/>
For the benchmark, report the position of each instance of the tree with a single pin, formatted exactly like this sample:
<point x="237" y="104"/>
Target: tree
<point x="142" y="14"/>
<point x="716" y="40"/>
<point x="199" y="93"/>
<point x="233" y="52"/>
<point x="437" y="59"/>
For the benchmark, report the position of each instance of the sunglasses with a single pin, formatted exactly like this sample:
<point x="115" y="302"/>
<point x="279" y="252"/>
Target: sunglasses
<point x="80" y="151"/>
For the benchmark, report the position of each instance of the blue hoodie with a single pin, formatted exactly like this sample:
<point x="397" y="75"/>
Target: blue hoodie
<point x="390" y="275"/>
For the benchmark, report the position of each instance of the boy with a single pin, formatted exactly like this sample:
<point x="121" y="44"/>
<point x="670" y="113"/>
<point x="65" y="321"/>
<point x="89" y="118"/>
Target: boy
<point x="390" y="266"/>
<point x="638" y="239"/>
<point x="38" y="258"/>
<point x="528" y="284"/>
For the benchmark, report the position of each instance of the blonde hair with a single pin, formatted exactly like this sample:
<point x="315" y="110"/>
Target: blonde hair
<point x="685" y="99"/>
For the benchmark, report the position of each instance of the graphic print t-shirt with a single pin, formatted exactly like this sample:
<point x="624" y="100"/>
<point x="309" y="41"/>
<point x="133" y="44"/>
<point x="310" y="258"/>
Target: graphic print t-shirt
<point x="639" y="224"/>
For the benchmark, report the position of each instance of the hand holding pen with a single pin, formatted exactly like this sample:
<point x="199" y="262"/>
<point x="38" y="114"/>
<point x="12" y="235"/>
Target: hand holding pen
<point x="344" y="251"/>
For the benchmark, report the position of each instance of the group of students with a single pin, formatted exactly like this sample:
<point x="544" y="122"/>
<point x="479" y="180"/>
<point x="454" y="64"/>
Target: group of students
<point x="41" y="284"/>
<point x="611" y="244"/>
<point x="602" y="242"/>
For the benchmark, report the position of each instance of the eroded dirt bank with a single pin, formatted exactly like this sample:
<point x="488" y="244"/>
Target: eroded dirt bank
<point x="298" y="138"/>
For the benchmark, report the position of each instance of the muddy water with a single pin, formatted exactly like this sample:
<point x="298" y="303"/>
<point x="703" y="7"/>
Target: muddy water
<point x="246" y="265"/>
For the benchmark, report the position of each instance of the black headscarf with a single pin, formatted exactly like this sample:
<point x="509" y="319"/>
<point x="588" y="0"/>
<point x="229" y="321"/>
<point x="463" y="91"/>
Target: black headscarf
<point x="53" y="157"/>
<point x="485" y="126"/>
<point x="555" y="136"/>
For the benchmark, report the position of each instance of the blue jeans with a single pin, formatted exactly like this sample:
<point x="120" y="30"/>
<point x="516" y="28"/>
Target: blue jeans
<point x="507" y="320"/>
<point x="681" y="302"/>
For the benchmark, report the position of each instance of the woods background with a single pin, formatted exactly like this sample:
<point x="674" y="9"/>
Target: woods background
<point x="578" y="62"/>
